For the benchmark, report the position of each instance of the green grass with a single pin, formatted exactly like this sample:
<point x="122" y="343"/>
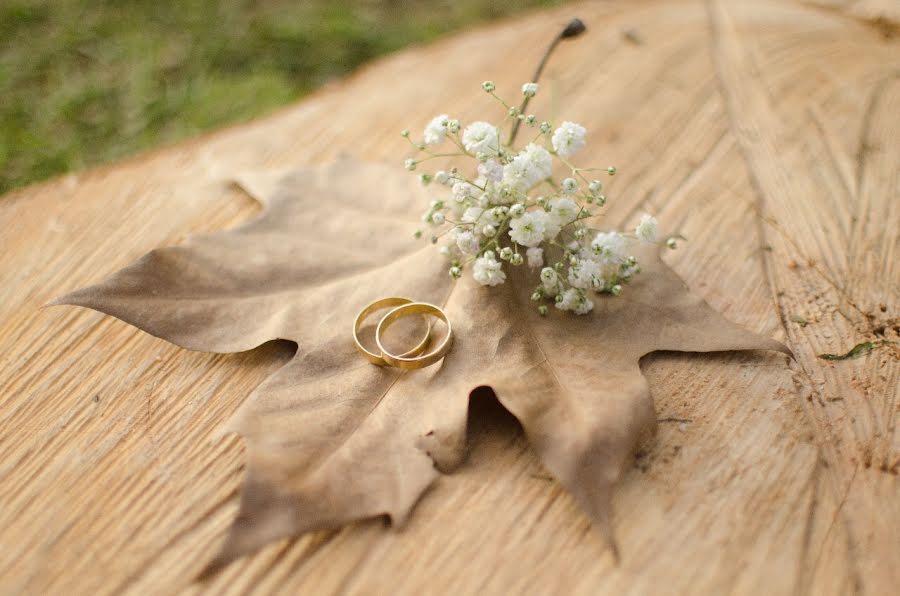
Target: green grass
<point x="84" y="82"/>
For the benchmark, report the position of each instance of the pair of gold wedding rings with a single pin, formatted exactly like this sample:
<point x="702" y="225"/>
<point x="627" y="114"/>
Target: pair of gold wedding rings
<point x="403" y="307"/>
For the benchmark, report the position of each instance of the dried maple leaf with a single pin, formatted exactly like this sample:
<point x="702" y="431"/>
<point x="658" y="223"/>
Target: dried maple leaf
<point x="331" y="438"/>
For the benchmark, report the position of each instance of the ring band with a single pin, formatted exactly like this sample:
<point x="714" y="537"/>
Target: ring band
<point x="406" y="361"/>
<point x="378" y="305"/>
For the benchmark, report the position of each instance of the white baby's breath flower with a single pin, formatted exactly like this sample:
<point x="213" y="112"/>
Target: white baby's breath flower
<point x="569" y="298"/>
<point x="569" y="185"/>
<point x="535" y="257"/>
<point x="487" y="271"/>
<point x="574" y="299"/>
<point x="609" y="247"/>
<point x="529" y="167"/>
<point x="481" y="137"/>
<point x="551" y="224"/>
<point x="564" y="210"/>
<point x="467" y="243"/>
<point x="540" y="160"/>
<point x="517" y="210"/>
<point x="516" y="174"/>
<point x="549" y="280"/>
<point x="529" y="229"/>
<point x="437" y="218"/>
<point x="436" y="130"/>
<point x="529" y="89"/>
<point x="584" y="306"/>
<point x="568" y="139"/>
<point x="583" y="274"/>
<point x="491" y="171"/>
<point x="463" y="191"/>
<point x="646" y="229"/>
<point x="441" y="177"/>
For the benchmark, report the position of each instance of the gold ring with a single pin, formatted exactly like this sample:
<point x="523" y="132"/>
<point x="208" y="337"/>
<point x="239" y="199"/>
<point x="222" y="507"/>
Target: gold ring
<point x="405" y="361"/>
<point x="378" y="305"/>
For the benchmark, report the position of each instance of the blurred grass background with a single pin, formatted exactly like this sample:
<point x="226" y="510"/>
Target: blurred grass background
<point x="84" y="82"/>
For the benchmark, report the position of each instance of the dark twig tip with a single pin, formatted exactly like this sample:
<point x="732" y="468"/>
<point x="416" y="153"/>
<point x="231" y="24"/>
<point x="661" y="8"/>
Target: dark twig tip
<point x="575" y="28"/>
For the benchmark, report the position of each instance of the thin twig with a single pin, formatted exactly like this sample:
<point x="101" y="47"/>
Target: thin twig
<point x="575" y="28"/>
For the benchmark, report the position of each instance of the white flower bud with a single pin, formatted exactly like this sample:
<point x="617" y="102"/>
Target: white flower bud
<point x="671" y="243"/>
<point x="505" y="253"/>
<point x="611" y="170"/>
<point x="453" y="125"/>
<point x="441" y="177"/>
<point x="595" y="186"/>
<point x="445" y="250"/>
<point x="517" y="210"/>
<point x="549" y="276"/>
<point x="569" y="185"/>
<point x="488" y="86"/>
<point x="516" y="259"/>
<point x="410" y="164"/>
<point x="489" y="231"/>
<point x="455" y="272"/>
<point x="530" y="119"/>
<point x="546" y="127"/>
<point x="437" y="218"/>
<point x="529" y="89"/>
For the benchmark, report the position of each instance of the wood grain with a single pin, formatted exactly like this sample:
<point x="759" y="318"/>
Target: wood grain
<point x="767" y="132"/>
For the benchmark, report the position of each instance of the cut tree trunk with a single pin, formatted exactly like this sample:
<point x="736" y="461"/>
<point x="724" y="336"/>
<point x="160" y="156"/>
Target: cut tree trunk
<point x="765" y="132"/>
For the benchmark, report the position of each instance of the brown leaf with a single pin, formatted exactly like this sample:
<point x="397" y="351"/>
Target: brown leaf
<point x="331" y="438"/>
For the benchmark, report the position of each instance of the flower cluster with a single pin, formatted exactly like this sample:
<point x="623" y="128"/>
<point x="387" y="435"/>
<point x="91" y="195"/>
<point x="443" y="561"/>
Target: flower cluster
<point x="512" y="209"/>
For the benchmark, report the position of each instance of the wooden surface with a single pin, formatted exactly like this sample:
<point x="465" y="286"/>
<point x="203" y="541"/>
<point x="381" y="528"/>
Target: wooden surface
<point x="768" y="132"/>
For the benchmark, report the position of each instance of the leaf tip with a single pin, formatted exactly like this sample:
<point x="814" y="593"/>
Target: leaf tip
<point x="777" y="346"/>
<point x="603" y="525"/>
<point x="211" y="569"/>
<point x="63" y="300"/>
